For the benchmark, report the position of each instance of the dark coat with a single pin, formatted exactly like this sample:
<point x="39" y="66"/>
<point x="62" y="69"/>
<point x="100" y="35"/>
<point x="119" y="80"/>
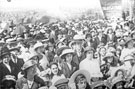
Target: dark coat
<point x="4" y="71"/>
<point x="16" y="67"/>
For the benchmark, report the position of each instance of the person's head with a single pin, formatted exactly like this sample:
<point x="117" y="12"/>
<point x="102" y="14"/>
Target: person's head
<point x="67" y="54"/>
<point x="30" y="68"/>
<point x="119" y="73"/>
<point x="102" y="51"/>
<point x="80" y="81"/>
<point x="5" y="55"/>
<point x="110" y="31"/>
<point x="39" y="47"/>
<point x="89" y="52"/>
<point x="119" y="85"/>
<point x="88" y="37"/>
<point x="129" y="43"/>
<point x="54" y="68"/>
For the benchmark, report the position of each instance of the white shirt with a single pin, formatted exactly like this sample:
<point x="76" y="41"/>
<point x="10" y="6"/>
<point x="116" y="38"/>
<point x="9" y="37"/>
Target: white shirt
<point x="92" y="66"/>
<point x="9" y="68"/>
<point x="30" y="83"/>
<point x="126" y="52"/>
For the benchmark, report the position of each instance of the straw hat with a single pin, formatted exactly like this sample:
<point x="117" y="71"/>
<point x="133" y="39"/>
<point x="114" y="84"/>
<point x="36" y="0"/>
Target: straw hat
<point x="28" y="64"/>
<point x="75" y="74"/>
<point x="59" y="50"/>
<point x="9" y="77"/>
<point x="61" y="82"/>
<point x="100" y="84"/>
<point x="35" y="55"/>
<point x="129" y="57"/>
<point x="88" y="48"/>
<point x="37" y="45"/>
<point x="108" y="55"/>
<point x="66" y="51"/>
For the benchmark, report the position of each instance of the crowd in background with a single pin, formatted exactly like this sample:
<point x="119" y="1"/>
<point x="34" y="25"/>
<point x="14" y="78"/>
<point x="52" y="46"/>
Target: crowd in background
<point x="74" y="54"/>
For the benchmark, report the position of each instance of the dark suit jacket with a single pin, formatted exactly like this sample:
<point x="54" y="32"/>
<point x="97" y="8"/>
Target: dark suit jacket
<point x="16" y="67"/>
<point x="66" y="71"/>
<point x="103" y="39"/>
<point x="4" y="71"/>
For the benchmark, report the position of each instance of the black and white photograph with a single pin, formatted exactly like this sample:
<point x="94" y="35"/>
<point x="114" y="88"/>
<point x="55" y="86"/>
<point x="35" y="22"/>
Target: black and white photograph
<point x="67" y="44"/>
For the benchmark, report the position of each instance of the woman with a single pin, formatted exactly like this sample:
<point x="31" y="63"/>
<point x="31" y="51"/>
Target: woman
<point x="30" y="80"/>
<point x="80" y="80"/>
<point x="55" y="72"/>
<point x="68" y="66"/>
<point x="129" y="49"/>
<point x="102" y="53"/>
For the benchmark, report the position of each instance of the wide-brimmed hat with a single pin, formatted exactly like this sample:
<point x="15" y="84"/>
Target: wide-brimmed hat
<point x="129" y="57"/>
<point x="28" y="64"/>
<point x="116" y="82"/>
<point x="59" y="50"/>
<point x="108" y="55"/>
<point x="79" y="37"/>
<point x="8" y="81"/>
<point x="32" y="55"/>
<point x="4" y="51"/>
<point x="75" y="74"/>
<point x="88" y="48"/>
<point x="66" y="51"/>
<point x="9" y="77"/>
<point x="37" y="45"/>
<point x="74" y="42"/>
<point x="61" y="82"/>
<point x="100" y="84"/>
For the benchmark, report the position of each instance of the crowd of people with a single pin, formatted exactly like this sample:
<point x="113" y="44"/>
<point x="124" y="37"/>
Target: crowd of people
<point x="73" y="54"/>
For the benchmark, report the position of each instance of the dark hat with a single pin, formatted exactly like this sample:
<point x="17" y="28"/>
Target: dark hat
<point x="120" y="82"/>
<point x="61" y="82"/>
<point x="4" y="51"/>
<point x="8" y="82"/>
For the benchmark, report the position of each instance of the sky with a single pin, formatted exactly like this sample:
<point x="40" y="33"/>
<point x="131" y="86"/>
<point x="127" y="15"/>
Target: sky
<point x="55" y="7"/>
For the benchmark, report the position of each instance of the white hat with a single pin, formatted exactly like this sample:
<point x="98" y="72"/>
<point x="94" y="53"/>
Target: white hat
<point x="37" y="45"/>
<point x="66" y="51"/>
<point x="79" y="37"/>
<point x="28" y="64"/>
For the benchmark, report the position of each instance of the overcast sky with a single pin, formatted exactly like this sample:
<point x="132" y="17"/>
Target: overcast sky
<point x="54" y="7"/>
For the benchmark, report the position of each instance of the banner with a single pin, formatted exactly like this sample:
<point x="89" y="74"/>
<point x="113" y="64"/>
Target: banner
<point x="112" y="8"/>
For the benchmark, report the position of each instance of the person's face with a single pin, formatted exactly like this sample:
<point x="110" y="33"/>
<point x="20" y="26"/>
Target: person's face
<point x="110" y="31"/>
<point x="54" y="69"/>
<point x="120" y="74"/>
<point x="32" y="70"/>
<point x="93" y="34"/>
<point x="102" y="51"/>
<point x="82" y="84"/>
<point x="88" y="38"/>
<point x="90" y="54"/>
<point x="130" y="44"/>
<point x="69" y="57"/>
<point x="119" y="86"/>
<point x="6" y="58"/>
<point x="42" y="49"/>
<point x="59" y="36"/>
<point x="110" y="59"/>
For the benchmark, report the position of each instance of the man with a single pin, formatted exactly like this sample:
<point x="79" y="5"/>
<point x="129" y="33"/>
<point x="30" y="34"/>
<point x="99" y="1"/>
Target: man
<point x="5" y="68"/>
<point x="16" y="63"/>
